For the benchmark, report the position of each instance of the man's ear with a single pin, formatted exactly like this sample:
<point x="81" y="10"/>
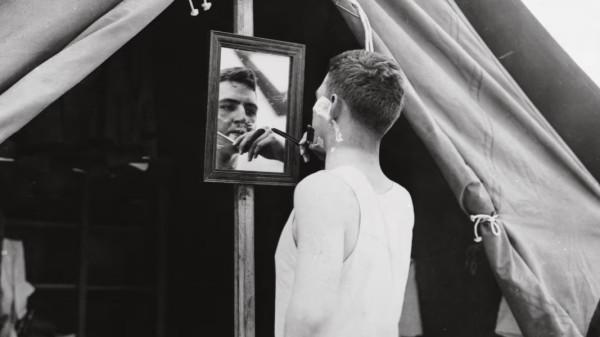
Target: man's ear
<point x="336" y="107"/>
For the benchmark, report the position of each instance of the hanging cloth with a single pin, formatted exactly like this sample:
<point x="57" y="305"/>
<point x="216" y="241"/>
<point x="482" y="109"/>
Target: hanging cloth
<point x="15" y="288"/>
<point x="499" y="157"/>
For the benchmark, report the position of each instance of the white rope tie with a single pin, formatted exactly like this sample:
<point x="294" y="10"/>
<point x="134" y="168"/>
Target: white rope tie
<point x="366" y="25"/>
<point x="479" y="218"/>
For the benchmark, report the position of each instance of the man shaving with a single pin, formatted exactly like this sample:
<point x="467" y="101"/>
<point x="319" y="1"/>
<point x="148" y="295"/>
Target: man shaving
<point x="343" y="257"/>
<point x="236" y="132"/>
<point x="237" y="112"/>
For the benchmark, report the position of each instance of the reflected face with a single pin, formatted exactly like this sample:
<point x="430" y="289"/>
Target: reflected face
<point x="237" y="109"/>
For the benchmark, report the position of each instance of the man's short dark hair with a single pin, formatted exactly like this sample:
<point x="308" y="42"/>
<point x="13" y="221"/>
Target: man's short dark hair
<point x="240" y="75"/>
<point x="372" y="86"/>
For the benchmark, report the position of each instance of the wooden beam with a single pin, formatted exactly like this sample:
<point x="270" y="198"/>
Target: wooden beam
<point x="244" y="294"/>
<point x="244" y="261"/>
<point x="243" y="17"/>
<point x="82" y="287"/>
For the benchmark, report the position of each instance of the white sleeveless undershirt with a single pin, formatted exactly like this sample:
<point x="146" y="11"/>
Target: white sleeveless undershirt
<point x="373" y="280"/>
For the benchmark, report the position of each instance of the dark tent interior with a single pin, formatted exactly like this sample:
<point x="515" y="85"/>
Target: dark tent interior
<point x="146" y="248"/>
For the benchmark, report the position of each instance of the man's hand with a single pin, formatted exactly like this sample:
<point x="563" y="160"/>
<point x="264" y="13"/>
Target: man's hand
<point x="262" y="142"/>
<point x="226" y="153"/>
<point x="316" y="147"/>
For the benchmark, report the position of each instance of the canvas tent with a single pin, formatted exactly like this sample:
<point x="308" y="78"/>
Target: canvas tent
<point x="488" y="167"/>
<point x="500" y="158"/>
<point x="50" y="47"/>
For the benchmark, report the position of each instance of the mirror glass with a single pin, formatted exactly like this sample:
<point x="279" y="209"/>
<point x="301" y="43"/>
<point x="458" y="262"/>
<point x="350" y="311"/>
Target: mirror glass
<point x="253" y="94"/>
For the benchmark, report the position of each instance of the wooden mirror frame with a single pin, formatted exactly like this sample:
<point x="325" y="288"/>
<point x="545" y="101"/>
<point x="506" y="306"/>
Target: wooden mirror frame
<point x="296" y="52"/>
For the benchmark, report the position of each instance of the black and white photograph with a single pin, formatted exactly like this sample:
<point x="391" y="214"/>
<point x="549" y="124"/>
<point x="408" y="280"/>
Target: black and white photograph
<point x="318" y="168"/>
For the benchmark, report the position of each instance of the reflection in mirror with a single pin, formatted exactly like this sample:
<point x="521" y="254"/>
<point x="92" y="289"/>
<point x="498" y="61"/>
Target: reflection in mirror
<point x="253" y="97"/>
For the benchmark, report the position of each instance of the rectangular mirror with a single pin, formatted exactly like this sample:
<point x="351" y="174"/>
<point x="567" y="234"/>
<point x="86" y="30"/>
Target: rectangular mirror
<point x="255" y="87"/>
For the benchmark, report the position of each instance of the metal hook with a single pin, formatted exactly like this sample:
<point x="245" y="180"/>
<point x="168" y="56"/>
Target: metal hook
<point x="194" y="10"/>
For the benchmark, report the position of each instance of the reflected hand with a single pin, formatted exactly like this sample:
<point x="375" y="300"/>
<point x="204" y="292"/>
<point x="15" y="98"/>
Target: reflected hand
<point x="317" y="148"/>
<point x="262" y="142"/>
<point x="226" y="153"/>
<point x="225" y="144"/>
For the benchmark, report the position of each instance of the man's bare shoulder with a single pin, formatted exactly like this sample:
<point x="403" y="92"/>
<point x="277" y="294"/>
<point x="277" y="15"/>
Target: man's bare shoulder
<point x="327" y="197"/>
<point x="403" y="193"/>
<point x="324" y="186"/>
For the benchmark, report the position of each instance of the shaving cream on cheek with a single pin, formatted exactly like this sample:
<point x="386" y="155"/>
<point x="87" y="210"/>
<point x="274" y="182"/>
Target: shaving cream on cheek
<point x="322" y="108"/>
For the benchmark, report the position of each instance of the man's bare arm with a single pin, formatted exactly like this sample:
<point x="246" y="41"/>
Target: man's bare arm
<point x="323" y="206"/>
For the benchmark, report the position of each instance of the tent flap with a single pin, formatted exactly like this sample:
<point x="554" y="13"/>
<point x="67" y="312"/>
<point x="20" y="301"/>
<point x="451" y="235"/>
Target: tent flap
<point x="500" y="155"/>
<point x="42" y="59"/>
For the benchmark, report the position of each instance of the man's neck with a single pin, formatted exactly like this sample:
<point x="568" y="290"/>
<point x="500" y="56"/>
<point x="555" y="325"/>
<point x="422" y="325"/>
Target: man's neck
<point x="364" y="157"/>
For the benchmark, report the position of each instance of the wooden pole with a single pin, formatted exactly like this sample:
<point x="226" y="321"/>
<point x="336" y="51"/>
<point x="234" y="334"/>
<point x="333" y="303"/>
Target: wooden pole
<point x="244" y="316"/>
<point x="243" y="17"/>
<point x="244" y="261"/>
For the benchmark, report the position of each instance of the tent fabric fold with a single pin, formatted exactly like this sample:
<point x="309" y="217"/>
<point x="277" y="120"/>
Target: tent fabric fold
<point x="49" y="47"/>
<point x="500" y="155"/>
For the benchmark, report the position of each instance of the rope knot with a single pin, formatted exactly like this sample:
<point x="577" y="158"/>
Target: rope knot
<point x="480" y="218"/>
